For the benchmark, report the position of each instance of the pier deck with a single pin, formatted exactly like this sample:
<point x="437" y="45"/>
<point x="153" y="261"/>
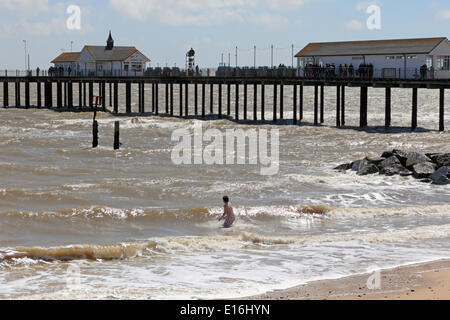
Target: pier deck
<point x="236" y="85"/>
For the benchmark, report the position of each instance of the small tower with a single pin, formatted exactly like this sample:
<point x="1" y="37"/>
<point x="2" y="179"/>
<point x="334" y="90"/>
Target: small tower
<point x="190" y="60"/>
<point x="109" y="42"/>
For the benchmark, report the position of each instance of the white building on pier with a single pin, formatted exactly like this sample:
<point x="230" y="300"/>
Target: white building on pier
<point x="106" y="60"/>
<point x="402" y="58"/>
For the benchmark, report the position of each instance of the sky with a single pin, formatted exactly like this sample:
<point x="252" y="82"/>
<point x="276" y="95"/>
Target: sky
<point x="164" y="30"/>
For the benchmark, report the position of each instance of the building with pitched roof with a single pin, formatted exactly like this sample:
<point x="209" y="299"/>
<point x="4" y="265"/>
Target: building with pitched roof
<point x="402" y="58"/>
<point x="109" y="60"/>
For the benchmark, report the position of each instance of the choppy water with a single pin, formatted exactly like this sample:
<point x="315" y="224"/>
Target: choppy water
<point x="138" y="226"/>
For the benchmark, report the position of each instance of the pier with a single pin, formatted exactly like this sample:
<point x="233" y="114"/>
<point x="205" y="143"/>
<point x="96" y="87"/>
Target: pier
<point x="210" y="90"/>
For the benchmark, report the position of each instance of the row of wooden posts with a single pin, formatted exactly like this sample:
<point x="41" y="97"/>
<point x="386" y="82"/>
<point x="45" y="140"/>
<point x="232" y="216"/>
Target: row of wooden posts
<point x="65" y="98"/>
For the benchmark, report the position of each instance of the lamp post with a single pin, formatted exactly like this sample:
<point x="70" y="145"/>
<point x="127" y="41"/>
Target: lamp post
<point x="71" y="46"/>
<point x="25" y="43"/>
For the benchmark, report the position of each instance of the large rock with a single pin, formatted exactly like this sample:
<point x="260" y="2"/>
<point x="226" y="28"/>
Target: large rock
<point x="387" y="154"/>
<point x="423" y="170"/>
<point x="357" y="165"/>
<point x="394" y="170"/>
<point x="440" y="177"/>
<point x="416" y="158"/>
<point x="367" y="169"/>
<point x="344" y="167"/>
<point x="376" y="161"/>
<point x="443" y="160"/>
<point x="401" y="155"/>
<point x="390" y="162"/>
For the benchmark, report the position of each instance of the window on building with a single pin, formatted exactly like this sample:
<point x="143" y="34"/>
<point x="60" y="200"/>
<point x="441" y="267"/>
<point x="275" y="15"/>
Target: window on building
<point x="443" y="63"/>
<point x="400" y="57"/>
<point x="305" y="61"/>
<point x="136" y="67"/>
<point x="390" y="57"/>
<point x="429" y="61"/>
<point x="412" y="57"/>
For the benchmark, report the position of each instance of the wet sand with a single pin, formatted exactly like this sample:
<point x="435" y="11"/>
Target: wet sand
<point x="428" y="281"/>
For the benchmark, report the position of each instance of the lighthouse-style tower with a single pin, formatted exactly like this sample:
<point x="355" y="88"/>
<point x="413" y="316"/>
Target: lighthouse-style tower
<point x="109" y="42"/>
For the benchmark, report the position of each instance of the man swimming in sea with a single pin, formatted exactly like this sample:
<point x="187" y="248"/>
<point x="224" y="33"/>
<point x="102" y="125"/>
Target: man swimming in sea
<point x="228" y="214"/>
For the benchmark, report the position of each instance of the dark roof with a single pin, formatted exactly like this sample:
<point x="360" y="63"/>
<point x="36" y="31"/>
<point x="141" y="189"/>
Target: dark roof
<point x="377" y="47"/>
<point x="116" y="54"/>
<point x="67" y="57"/>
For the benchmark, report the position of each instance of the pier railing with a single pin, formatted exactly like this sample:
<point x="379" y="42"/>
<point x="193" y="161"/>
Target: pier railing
<point x="321" y="73"/>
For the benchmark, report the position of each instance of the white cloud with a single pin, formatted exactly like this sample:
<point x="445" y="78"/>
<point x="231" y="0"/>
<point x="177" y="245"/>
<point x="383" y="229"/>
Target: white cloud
<point x="37" y="18"/>
<point x="25" y="6"/>
<point x="444" y="14"/>
<point x="362" y="6"/>
<point x="354" y="25"/>
<point x="206" y="12"/>
<point x="269" y="21"/>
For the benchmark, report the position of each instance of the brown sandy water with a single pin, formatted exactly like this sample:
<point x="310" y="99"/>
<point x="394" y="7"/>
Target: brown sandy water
<point x="137" y="226"/>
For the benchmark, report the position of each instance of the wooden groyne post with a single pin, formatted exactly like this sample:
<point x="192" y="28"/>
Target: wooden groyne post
<point x="116" y="135"/>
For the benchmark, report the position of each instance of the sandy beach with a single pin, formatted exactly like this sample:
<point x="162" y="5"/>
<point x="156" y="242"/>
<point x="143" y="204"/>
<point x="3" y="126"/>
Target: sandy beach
<point x="428" y="281"/>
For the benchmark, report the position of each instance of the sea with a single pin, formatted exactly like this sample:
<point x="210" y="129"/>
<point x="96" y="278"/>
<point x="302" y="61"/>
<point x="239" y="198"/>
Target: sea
<point x="84" y="223"/>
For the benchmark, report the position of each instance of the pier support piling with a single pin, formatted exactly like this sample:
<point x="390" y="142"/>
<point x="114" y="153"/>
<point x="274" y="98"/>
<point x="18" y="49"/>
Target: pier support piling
<point x="167" y="97"/>
<point x="27" y="94"/>
<point x="91" y="95"/>
<point x="128" y="97"/>
<point x="338" y="106"/>
<point x="84" y="95"/>
<point x="301" y="102"/>
<point x="388" y="108"/>
<point x="229" y="99"/>
<point x="441" y="109"/>
<point x="343" y="106"/>
<point x="39" y="94"/>
<point x="156" y="98"/>
<point x="363" y="108"/>
<point x="275" y="103"/>
<point x="181" y="100"/>
<point x="80" y="95"/>
<point x="236" y="116"/>
<point x="70" y="95"/>
<point x="116" y="97"/>
<point x="220" y="101"/>
<point x="186" y="100"/>
<point x="414" y="110"/>
<point x="196" y="99"/>
<point x="255" y="101"/>
<point x="295" y="104"/>
<point x="316" y="105"/>
<point x="140" y="97"/>
<point x="211" y="98"/>
<point x="171" y="99"/>
<point x="59" y="97"/>
<point x="5" y="94"/>
<point x="263" y="102"/>
<point x="282" y="101"/>
<point x="203" y="100"/>
<point x="322" y="103"/>
<point x="17" y="93"/>
<point x="245" y="101"/>
<point x="103" y="95"/>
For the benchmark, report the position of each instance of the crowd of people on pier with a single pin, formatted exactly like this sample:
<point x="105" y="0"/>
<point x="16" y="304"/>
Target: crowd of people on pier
<point x="364" y="71"/>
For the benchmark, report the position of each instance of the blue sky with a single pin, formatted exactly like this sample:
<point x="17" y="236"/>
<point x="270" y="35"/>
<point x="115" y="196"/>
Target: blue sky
<point x="165" y="29"/>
